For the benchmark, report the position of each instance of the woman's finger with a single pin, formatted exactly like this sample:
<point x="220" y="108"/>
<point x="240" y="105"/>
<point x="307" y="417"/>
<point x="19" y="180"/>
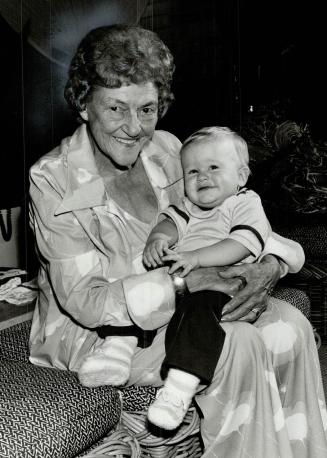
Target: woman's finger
<point x="246" y="312"/>
<point x="245" y="296"/>
<point x="236" y="313"/>
<point x="238" y="299"/>
<point x="240" y="313"/>
<point x="233" y="271"/>
<point x="253" y="314"/>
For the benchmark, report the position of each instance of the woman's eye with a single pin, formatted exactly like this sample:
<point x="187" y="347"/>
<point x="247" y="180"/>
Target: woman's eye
<point x="214" y="167"/>
<point x="117" y="109"/>
<point x="149" y="111"/>
<point x="192" y="172"/>
<point x="116" y="112"/>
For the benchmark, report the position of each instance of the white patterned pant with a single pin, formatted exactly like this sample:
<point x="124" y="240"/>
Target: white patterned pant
<point x="266" y="399"/>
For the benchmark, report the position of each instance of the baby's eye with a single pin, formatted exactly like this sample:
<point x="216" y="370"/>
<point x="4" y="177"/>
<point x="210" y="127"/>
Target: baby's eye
<point x="192" y="172"/>
<point x="213" y="167"/>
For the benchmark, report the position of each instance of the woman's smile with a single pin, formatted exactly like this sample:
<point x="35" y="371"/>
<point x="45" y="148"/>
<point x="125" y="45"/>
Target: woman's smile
<point x="127" y="141"/>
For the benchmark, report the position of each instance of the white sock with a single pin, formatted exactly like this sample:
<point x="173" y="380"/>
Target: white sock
<point x="109" y="363"/>
<point x="173" y="400"/>
<point x="119" y="351"/>
<point x="181" y="383"/>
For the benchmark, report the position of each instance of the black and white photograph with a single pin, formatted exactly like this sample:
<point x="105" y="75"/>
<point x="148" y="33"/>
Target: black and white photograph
<point x="163" y="237"/>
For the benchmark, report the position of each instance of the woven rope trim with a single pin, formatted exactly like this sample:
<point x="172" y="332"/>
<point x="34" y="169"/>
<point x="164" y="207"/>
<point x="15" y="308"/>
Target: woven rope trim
<point x="119" y="443"/>
<point x="132" y="439"/>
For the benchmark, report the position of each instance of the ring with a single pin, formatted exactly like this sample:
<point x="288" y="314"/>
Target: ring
<point x="243" y="281"/>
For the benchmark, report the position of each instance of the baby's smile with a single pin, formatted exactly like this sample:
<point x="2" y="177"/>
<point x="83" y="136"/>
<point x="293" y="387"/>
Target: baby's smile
<point x="205" y="188"/>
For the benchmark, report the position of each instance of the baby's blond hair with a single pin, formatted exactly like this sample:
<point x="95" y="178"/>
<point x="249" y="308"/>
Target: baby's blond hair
<point x="219" y="133"/>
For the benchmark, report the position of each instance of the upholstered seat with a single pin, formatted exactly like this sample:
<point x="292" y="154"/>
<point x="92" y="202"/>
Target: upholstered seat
<point x="46" y="413"/>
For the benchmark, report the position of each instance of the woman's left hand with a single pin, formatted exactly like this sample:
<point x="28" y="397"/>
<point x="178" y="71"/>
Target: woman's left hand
<point x="258" y="280"/>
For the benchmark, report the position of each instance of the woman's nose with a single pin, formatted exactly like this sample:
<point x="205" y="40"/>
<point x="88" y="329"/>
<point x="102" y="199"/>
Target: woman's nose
<point x="132" y="124"/>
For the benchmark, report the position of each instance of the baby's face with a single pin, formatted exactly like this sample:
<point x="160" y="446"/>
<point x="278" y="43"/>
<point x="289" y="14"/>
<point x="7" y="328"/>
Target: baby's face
<point x="212" y="172"/>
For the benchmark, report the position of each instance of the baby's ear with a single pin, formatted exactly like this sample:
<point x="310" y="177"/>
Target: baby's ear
<point x="243" y="175"/>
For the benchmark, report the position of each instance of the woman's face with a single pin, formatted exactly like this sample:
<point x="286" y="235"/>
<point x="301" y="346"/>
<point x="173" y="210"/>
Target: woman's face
<point x="122" y="120"/>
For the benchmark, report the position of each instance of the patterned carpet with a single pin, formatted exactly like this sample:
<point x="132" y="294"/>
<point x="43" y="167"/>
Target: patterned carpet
<point x="323" y="364"/>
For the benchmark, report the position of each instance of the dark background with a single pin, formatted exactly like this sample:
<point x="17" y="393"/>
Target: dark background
<point x="230" y="55"/>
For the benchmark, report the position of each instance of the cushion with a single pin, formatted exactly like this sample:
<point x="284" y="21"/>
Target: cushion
<point x="46" y="413"/>
<point x="295" y="297"/>
<point x="14" y="342"/>
<point x="137" y="398"/>
<point x="312" y="279"/>
<point x="312" y="237"/>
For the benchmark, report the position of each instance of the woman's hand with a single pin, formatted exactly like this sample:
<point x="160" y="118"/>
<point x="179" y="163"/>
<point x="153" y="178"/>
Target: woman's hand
<point x="209" y="278"/>
<point x="247" y="284"/>
<point x="258" y="281"/>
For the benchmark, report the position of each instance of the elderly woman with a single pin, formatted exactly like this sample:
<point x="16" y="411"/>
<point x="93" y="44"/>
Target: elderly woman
<point x="94" y="200"/>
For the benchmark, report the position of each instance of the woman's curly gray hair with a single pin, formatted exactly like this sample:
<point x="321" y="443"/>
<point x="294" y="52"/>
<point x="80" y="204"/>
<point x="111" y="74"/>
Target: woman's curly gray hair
<point x="112" y="56"/>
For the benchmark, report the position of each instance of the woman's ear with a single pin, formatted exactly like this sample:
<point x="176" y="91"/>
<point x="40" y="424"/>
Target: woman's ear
<point x="84" y="115"/>
<point x="243" y="175"/>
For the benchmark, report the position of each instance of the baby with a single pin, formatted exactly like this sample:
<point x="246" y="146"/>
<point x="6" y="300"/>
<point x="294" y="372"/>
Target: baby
<point x="218" y="223"/>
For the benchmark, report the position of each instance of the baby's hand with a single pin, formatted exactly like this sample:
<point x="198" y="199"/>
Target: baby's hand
<point x="186" y="260"/>
<point x="154" y="251"/>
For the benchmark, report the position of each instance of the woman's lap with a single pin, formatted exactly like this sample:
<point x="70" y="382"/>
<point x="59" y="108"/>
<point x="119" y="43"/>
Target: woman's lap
<point x="277" y="327"/>
<point x="147" y="362"/>
<point x="267" y="388"/>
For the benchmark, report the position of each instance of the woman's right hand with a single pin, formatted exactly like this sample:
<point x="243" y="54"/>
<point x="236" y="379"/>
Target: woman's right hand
<point x="208" y="278"/>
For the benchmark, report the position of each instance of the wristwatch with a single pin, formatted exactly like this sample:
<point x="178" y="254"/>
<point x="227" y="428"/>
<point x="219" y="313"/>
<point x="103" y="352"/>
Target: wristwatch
<point x="180" y="285"/>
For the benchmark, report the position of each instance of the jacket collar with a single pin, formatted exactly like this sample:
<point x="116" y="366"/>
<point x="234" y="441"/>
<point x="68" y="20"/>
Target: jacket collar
<point x="85" y="186"/>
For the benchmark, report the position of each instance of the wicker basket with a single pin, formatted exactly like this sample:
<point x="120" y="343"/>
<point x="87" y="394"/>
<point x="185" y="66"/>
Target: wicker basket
<point x="132" y="439"/>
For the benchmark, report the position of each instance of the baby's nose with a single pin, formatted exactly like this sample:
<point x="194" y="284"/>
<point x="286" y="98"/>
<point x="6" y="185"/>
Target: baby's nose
<point x="202" y="176"/>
